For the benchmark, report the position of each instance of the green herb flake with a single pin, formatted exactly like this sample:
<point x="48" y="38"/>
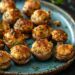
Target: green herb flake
<point x="29" y="43"/>
<point x="57" y="1"/>
<point x="36" y="68"/>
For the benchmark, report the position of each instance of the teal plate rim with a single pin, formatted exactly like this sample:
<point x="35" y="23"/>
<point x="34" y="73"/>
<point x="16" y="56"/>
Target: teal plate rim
<point x="61" y="67"/>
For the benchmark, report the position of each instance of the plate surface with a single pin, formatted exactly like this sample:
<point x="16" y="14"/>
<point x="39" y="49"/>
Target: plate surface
<point x="35" y="66"/>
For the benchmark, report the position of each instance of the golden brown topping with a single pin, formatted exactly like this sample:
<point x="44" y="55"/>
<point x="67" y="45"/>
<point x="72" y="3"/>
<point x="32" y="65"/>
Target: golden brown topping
<point x="20" y="54"/>
<point x="11" y="15"/>
<point x="12" y="38"/>
<point x="30" y="6"/>
<point x="57" y="23"/>
<point x="42" y="49"/>
<point x="23" y="25"/>
<point x="7" y="5"/>
<point x="40" y="17"/>
<point x="64" y="51"/>
<point x="4" y="57"/>
<point x="41" y="31"/>
<point x="59" y="35"/>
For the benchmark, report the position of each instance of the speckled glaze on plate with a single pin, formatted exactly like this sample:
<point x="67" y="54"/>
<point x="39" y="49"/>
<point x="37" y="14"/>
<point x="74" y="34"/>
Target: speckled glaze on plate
<point x="35" y="67"/>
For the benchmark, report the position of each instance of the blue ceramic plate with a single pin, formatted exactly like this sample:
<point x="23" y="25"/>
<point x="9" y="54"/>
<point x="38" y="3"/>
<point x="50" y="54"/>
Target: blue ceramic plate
<point x="35" y="66"/>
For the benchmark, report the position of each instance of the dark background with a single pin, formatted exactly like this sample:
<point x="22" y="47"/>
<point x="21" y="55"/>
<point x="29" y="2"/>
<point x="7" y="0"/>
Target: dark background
<point x="69" y="7"/>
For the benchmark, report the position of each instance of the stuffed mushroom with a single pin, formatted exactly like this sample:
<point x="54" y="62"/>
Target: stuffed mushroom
<point x="11" y="15"/>
<point x="40" y="17"/>
<point x="7" y="5"/>
<point x="30" y="6"/>
<point x="20" y="54"/>
<point x="12" y="38"/>
<point x="42" y="49"/>
<point x="64" y="52"/>
<point x="59" y="35"/>
<point x="24" y="25"/>
<point x="41" y="31"/>
<point x="4" y="26"/>
<point x="4" y="60"/>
